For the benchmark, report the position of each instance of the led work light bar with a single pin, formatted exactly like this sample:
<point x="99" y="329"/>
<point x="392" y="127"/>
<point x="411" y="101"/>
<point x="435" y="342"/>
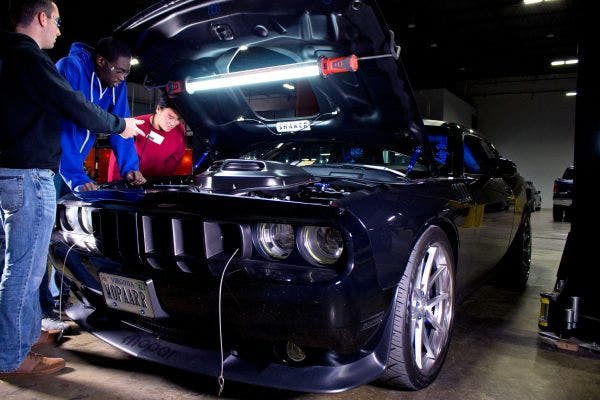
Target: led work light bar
<point x="323" y="67"/>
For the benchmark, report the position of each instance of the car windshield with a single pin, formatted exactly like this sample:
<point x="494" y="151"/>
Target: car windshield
<point x="569" y="173"/>
<point x="323" y="157"/>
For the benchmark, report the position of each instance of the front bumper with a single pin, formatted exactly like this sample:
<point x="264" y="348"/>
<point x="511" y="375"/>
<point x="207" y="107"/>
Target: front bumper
<point x="563" y="202"/>
<point x="342" y="326"/>
<point x="312" y="378"/>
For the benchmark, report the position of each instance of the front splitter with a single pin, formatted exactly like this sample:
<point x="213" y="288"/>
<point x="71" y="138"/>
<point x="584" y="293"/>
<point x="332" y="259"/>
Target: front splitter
<point x="311" y="378"/>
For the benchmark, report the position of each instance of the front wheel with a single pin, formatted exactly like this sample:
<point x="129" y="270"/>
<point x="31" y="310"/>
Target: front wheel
<point x="423" y="314"/>
<point x="516" y="263"/>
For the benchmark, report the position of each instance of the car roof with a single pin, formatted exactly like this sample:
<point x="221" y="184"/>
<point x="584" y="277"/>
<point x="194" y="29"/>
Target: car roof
<point x="454" y="125"/>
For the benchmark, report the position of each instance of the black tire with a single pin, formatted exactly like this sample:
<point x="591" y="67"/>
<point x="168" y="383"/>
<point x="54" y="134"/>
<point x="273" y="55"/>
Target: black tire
<point x="569" y="214"/>
<point x="422" y="318"/>
<point x="517" y="261"/>
<point x="557" y="213"/>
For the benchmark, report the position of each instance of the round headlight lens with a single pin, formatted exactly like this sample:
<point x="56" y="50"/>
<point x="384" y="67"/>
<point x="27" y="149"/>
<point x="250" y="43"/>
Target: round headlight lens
<point x="321" y="244"/>
<point x="275" y="240"/>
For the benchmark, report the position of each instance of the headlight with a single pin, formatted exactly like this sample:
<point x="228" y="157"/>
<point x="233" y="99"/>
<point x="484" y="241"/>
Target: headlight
<point x="85" y="219"/>
<point x="70" y="218"/>
<point x="275" y="240"/>
<point x="76" y="226"/>
<point x="320" y="244"/>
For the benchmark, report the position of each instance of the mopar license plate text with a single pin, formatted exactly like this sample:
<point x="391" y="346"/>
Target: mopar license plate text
<point x="126" y="294"/>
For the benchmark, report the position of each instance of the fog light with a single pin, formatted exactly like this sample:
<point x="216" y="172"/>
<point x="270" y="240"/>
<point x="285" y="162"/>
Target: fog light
<point x="294" y="352"/>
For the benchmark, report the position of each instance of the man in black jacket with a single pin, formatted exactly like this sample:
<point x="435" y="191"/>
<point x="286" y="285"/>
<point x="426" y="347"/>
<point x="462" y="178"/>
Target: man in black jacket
<point x="33" y="99"/>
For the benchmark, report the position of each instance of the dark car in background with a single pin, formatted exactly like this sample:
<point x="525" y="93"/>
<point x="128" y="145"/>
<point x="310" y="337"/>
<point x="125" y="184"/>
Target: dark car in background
<point x="536" y="196"/>
<point x="562" y="196"/>
<point x="327" y="233"/>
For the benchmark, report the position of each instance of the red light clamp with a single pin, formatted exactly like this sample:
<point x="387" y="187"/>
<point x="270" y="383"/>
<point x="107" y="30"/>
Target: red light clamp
<point x="328" y="66"/>
<point x="173" y="88"/>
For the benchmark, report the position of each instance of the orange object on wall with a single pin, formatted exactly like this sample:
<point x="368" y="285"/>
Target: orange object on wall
<point x="96" y="163"/>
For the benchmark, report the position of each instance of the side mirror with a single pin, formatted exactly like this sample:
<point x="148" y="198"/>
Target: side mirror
<point x="502" y="167"/>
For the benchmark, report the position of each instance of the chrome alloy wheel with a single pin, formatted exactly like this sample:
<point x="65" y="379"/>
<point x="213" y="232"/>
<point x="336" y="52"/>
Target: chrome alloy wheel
<point x="431" y="307"/>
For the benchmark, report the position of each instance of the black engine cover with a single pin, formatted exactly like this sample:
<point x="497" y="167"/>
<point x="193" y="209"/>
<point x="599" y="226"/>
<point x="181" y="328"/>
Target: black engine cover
<point x="234" y="176"/>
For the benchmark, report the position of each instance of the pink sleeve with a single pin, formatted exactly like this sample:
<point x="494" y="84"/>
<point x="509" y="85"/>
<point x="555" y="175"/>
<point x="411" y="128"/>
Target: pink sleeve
<point x="113" y="169"/>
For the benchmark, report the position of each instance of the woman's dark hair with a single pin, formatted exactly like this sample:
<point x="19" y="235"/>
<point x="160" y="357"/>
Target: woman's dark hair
<point x="112" y="48"/>
<point x="164" y="101"/>
<point x="24" y="11"/>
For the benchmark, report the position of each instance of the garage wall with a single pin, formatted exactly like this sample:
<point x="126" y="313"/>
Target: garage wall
<point x="458" y="110"/>
<point x="444" y="105"/>
<point x="430" y="103"/>
<point x="532" y="122"/>
<point x="141" y="100"/>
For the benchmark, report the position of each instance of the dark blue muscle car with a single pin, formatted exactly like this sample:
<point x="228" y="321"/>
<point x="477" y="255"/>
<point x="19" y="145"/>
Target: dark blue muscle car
<point x="327" y="233"/>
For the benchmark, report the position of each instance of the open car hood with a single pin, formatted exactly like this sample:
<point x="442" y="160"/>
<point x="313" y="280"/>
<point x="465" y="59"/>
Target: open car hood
<point x="184" y="41"/>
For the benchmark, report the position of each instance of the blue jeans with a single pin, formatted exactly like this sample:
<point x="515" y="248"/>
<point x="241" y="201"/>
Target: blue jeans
<point x="27" y="210"/>
<point x="46" y="298"/>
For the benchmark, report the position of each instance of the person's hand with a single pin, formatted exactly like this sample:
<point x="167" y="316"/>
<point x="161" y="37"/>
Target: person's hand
<point x="135" y="178"/>
<point x="86" y="187"/>
<point x="131" y="128"/>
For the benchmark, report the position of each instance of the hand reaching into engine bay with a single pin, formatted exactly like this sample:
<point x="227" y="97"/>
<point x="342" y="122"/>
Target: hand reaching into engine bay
<point x="135" y="178"/>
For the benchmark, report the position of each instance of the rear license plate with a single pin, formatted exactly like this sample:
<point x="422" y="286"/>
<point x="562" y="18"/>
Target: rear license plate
<point x="126" y="294"/>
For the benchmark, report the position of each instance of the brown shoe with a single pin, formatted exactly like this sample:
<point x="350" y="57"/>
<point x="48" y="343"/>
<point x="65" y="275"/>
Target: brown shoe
<point x="36" y="364"/>
<point x="46" y="337"/>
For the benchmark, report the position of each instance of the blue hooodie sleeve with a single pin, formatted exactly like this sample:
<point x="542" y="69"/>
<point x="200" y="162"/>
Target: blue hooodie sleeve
<point x="124" y="149"/>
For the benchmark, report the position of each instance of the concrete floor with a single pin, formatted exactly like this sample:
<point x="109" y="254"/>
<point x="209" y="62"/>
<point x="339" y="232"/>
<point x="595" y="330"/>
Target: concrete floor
<point x="495" y="354"/>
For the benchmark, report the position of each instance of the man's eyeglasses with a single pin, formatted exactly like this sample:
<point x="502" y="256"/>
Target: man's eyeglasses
<point x="118" y="71"/>
<point x="57" y="20"/>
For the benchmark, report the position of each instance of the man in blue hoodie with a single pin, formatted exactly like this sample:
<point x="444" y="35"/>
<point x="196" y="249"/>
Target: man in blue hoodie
<point x="100" y="75"/>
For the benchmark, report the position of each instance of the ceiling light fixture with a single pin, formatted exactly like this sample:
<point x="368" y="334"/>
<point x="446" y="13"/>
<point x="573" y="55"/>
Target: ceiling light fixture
<point x="134" y="61"/>
<point x="560" y="63"/>
<point x="530" y="2"/>
<point x="571" y="94"/>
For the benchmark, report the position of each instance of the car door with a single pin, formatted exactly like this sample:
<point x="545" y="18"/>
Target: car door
<point x="494" y="205"/>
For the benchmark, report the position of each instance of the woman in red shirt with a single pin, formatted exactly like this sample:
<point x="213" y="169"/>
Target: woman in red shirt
<point x="160" y="151"/>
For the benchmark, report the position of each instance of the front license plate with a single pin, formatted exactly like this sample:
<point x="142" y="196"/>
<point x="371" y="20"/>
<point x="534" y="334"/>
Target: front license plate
<point x="126" y="294"/>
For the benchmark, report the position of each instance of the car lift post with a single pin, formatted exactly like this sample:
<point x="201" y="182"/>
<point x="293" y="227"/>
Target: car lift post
<point x="571" y="313"/>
